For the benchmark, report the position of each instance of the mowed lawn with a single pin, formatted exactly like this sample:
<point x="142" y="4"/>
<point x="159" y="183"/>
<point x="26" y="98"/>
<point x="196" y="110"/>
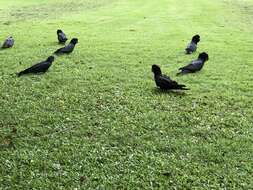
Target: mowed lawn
<point x="96" y="121"/>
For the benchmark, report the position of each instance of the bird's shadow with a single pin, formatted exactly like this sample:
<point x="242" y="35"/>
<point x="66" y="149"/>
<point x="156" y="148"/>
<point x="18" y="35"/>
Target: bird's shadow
<point x="188" y="74"/>
<point x="4" y="49"/>
<point x="30" y="75"/>
<point x="158" y="91"/>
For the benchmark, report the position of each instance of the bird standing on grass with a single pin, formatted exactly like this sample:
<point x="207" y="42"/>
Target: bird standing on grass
<point x="61" y="36"/>
<point x="195" y="65"/>
<point x="192" y="46"/>
<point x="164" y="82"/>
<point x="67" y="49"/>
<point x="8" y="43"/>
<point x="41" y="67"/>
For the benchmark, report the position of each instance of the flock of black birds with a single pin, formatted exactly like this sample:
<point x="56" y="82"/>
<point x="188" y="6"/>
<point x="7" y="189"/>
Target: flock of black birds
<point x="166" y="83"/>
<point x="43" y="66"/>
<point x="162" y="81"/>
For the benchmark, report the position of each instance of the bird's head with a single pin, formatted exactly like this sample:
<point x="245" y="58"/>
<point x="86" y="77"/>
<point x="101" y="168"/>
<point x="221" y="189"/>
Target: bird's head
<point x="50" y="59"/>
<point x="196" y="38"/>
<point x="59" y="31"/>
<point x="74" y="41"/>
<point x="156" y="70"/>
<point x="203" y="56"/>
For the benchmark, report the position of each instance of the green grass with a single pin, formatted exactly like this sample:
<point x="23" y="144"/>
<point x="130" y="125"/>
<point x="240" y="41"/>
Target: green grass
<point x="96" y="121"/>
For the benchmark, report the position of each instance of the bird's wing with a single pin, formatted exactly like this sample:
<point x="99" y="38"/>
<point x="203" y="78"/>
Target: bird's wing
<point x="40" y="65"/>
<point x="6" y="42"/>
<point x="62" y="36"/>
<point x="166" y="83"/>
<point x="162" y="81"/>
<point x="189" y="67"/>
<point x="193" y="66"/>
<point x="37" y="68"/>
<point x="174" y="84"/>
<point x="165" y="80"/>
<point x="66" y="49"/>
<point x="171" y="84"/>
<point x="191" y="47"/>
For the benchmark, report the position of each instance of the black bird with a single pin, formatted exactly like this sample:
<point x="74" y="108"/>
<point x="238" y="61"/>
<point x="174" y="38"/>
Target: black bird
<point x="195" y="65"/>
<point x="67" y="49"/>
<point x="61" y="36"/>
<point x="164" y="82"/>
<point x="8" y="43"/>
<point x="41" y="67"/>
<point x="192" y="46"/>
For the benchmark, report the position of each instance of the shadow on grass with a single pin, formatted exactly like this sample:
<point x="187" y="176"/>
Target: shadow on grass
<point x="158" y="91"/>
<point x="190" y="74"/>
<point x="28" y="75"/>
<point x="5" y="49"/>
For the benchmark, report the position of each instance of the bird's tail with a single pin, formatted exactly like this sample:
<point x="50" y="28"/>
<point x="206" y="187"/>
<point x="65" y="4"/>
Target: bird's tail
<point x="56" y="53"/>
<point x="20" y="73"/>
<point x="180" y="73"/>
<point x="26" y="71"/>
<point x="182" y="87"/>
